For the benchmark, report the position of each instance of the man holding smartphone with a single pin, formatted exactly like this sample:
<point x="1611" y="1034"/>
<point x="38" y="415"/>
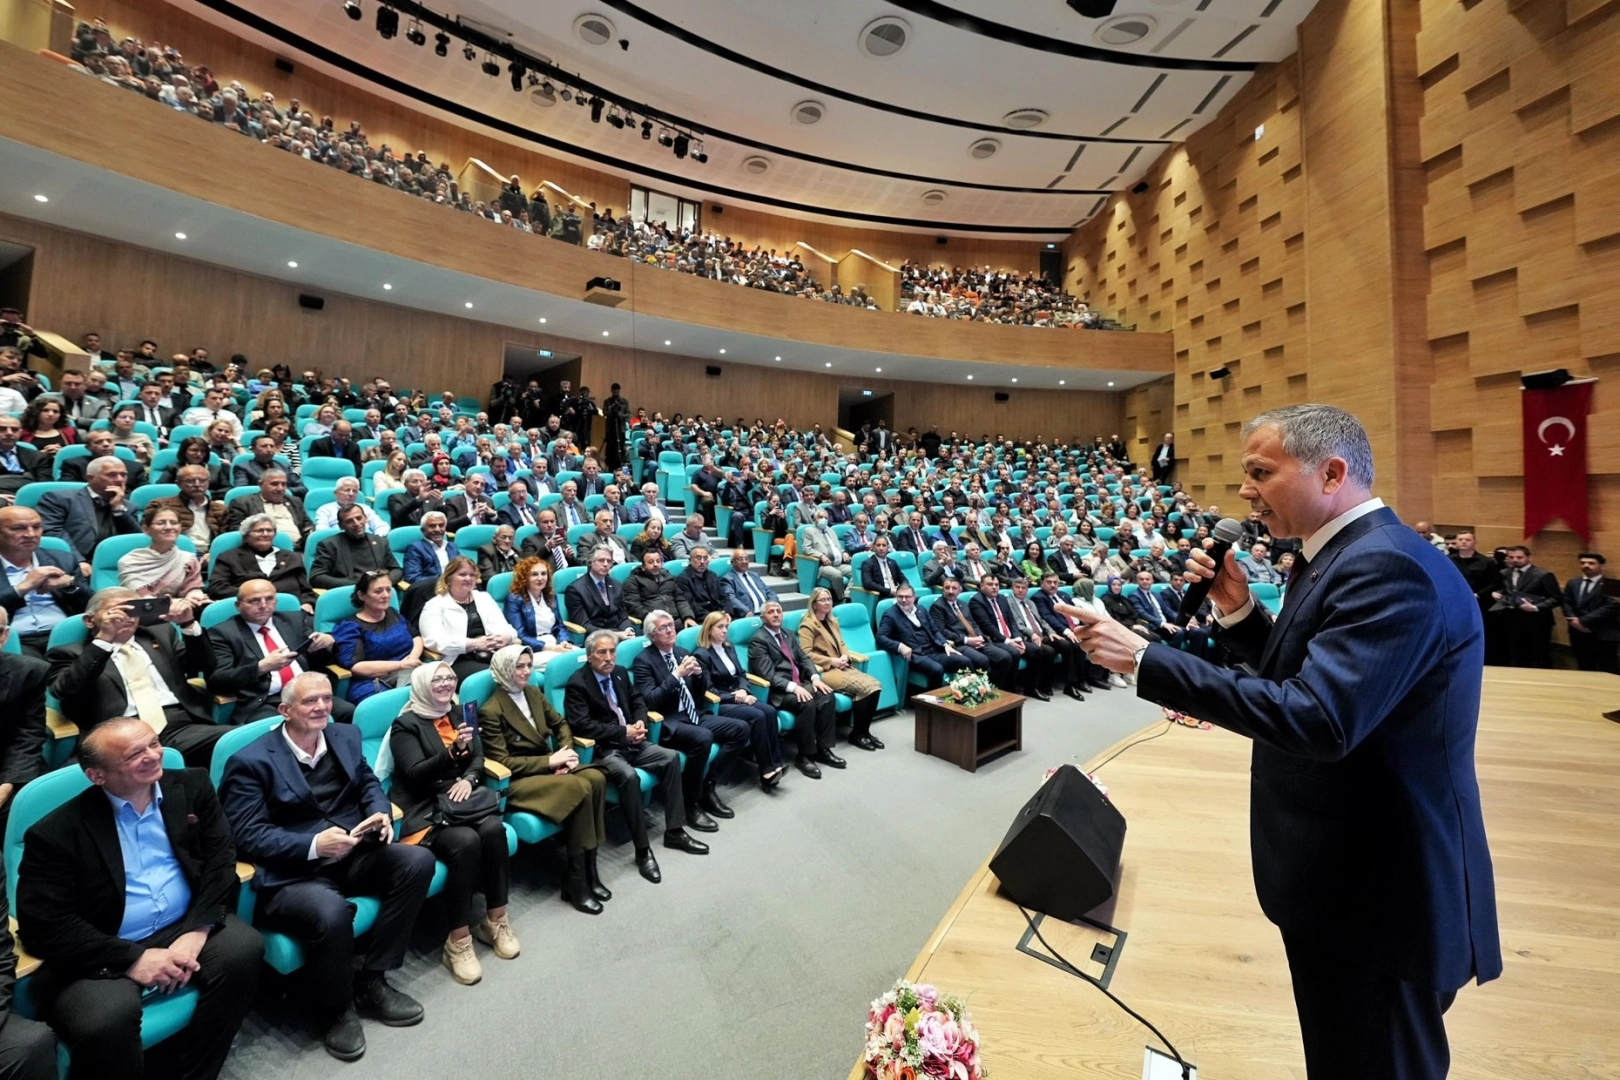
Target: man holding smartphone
<point x="307" y="809"/>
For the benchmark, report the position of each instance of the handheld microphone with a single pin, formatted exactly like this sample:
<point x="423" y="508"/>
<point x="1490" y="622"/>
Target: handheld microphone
<point x="1227" y="532"/>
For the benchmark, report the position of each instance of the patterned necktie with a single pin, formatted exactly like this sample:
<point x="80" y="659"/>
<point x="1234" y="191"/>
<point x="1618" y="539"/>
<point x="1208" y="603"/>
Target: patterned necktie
<point x="138" y="685"/>
<point x="688" y="707"/>
<point x="612" y="698"/>
<point x="781" y="643"/>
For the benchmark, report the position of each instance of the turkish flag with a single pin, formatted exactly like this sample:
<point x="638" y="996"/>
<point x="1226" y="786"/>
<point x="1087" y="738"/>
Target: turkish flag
<point x="1555" y="457"/>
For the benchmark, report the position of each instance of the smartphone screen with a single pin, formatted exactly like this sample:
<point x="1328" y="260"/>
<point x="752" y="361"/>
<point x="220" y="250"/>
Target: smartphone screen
<point x="469" y="716"/>
<point x="149" y="610"/>
<point x="303" y="646"/>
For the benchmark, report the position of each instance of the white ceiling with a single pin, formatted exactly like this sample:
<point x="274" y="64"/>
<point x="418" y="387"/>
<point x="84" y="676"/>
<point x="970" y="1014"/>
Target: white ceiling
<point x="963" y="82"/>
<point x="108" y="205"/>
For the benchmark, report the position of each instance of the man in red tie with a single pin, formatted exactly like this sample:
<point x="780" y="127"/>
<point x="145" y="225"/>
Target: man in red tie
<point x="259" y="650"/>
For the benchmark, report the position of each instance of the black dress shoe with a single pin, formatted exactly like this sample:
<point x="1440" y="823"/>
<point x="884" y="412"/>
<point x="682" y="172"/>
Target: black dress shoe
<point x="582" y="901"/>
<point x="1102" y="684"/>
<point x="376" y="1000"/>
<point x="346" y="1039"/>
<point x="648" y="866"/>
<point x="592" y="881"/>
<point x="770" y="783"/>
<point x="808" y="767"/>
<point x="1075" y="692"/>
<point x="827" y="757"/>
<point x="677" y="839"/>
<point x="1039" y="695"/>
<point x="863" y="742"/>
<point x="715" y="805"/>
<point x="697" y="819"/>
<point x="877" y="742"/>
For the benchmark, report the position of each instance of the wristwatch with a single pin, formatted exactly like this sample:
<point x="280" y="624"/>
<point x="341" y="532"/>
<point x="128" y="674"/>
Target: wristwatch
<point x="1136" y="660"/>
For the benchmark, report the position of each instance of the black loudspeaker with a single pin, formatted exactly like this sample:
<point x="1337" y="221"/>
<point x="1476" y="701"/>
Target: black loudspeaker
<point x="712" y="371"/>
<point x="1002" y="397"/>
<point x="942" y="240"/>
<point x="1220" y="373"/>
<point x="602" y="283"/>
<point x="284" y="64"/>
<point x="313" y="303"/>
<point x="1093" y="9"/>
<point x="1062" y="852"/>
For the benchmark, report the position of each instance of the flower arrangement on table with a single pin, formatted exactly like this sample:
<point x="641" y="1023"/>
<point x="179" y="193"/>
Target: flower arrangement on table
<point x="914" y="1031"/>
<point x="969" y="689"/>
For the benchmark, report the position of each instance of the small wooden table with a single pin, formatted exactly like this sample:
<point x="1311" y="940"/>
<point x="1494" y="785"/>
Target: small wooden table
<point x="966" y="737"/>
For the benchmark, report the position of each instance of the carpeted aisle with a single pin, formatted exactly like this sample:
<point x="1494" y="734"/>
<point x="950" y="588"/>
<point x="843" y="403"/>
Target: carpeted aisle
<point x="758" y="959"/>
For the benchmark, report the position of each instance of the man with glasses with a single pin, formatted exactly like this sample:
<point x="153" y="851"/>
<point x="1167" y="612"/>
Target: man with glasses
<point x="19" y="465"/>
<point x="796" y="687"/>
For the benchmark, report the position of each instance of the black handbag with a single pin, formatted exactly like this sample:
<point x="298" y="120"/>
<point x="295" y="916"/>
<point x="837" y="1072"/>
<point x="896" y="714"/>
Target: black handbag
<point x="469" y="811"/>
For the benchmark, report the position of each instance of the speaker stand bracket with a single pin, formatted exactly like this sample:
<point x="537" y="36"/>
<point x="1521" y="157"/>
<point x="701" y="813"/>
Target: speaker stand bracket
<point x="1106" y="955"/>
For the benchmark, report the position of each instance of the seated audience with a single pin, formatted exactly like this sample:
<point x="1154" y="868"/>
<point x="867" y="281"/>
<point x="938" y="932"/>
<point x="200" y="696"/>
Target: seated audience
<point x="651" y="538"/>
<point x="823" y="641"/>
<point x="163" y="567"/>
<point x="257" y="557"/>
<point x="427" y="559"/>
<point x="126" y="669"/>
<point x="194" y="451"/>
<point x="531" y="611"/>
<point x="596" y="601"/>
<point x="439" y="787"/>
<point x="152" y="919"/>
<point x="548" y="542"/>
<point x="701" y="591"/>
<point x="682" y="543"/>
<point x="346" y="493"/>
<point x="375" y="644"/>
<point x="726" y="674"/>
<point x="880" y="574"/>
<point x="44" y="427"/>
<point x="796" y="687"/>
<point x="462" y="623"/>
<point x="341" y="559"/>
<point x="41" y="587"/>
<point x="306" y="808"/>
<point x="601" y="703"/>
<point x="950" y="617"/>
<point x="273" y="500"/>
<point x="19" y="464"/>
<point x="822" y="545"/>
<point x="521" y="731"/>
<point x="23" y="680"/>
<point x="650" y="587"/>
<point x="86" y="516"/>
<point x="259" y="650"/>
<point x="124" y="434"/>
<point x="500" y="555"/>
<point x="471" y="506"/>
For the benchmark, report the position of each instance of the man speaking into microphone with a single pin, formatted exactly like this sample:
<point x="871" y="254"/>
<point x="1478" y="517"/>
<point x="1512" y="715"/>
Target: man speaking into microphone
<point x="1362" y="698"/>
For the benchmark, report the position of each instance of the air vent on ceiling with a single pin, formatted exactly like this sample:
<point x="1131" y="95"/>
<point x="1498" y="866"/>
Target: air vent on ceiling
<point x="808" y="112"/>
<point x="754" y="165"/>
<point x="1024" y="119"/>
<point x="1125" y="30"/>
<point x="544" y="95"/>
<point x="933" y="197"/>
<point x="984" y="148"/>
<point x="594" y="29"/>
<point x="884" y="37"/>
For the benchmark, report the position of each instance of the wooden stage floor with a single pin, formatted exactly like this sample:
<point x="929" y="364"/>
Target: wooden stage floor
<point x="1205" y="965"/>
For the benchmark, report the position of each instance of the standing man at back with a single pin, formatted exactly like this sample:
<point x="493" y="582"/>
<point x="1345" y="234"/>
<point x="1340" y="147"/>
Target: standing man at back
<point x="1362" y="698"/>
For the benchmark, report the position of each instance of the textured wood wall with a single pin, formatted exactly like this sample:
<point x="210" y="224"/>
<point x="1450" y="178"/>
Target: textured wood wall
<point x="1521" y="153"/>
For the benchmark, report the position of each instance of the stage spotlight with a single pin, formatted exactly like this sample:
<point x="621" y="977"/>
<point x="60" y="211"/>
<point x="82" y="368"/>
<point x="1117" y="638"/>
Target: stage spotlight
<point x="517" y="71"/>
<point x="387" y="22"/>
<point x="596" y="110"/>
<point x="682" y="144"/>
<point x="414" y="35"/>
<point x="441" y="43"/>
<point x="665" y="139"/>
<point x="698" y="154"/>
<point x="615" y="119"/>
<point x="567" y="94"/>
<point x="546" y="88"/>
<point x="469" y="53"/>
<point x="351" y="8"/>
<point x="491" y="68"/>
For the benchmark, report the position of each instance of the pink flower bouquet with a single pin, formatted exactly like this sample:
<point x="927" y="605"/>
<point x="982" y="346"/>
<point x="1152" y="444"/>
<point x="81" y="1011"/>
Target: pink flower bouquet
<point x="914" y="1031"/>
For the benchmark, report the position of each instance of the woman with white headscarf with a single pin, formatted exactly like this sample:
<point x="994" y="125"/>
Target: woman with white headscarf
<point x="523" y="732"/>
<point x="438" y="776"/>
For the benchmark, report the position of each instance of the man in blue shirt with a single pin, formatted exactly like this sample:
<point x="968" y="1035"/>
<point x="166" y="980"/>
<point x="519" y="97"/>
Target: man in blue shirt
<point x="123" y="893"/>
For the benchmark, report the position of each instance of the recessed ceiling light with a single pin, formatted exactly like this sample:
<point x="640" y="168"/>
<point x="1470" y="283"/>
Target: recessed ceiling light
<point x="469" y="303"/>
<point x="42" y="198"/>
<point x="179" y="236"/>
<point x="1110" y="382"/>
<point x="292" y="264"/>
<point x="1259" y="133"/>
<point x="1063" y="382"/>
<point x="722" y="351"/>
<point x="387" y="286"/>
<point x="1015" y="380"/>
<point x="666" y="341"/>
<point x="829" y="363"/>
<point x="542" y="320"/>
<point x="878" y="370"/>
<point x="604" y="333"/>
<point x="970" y="377"/>
<point x="778" y="359"/>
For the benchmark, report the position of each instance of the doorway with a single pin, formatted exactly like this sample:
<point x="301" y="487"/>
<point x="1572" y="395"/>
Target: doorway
<point x="858" y="406"/>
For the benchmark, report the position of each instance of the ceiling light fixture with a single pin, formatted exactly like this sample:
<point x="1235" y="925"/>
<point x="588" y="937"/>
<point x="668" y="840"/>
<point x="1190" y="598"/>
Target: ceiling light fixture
<point x="292" y="263"/>
<point x="469" y="53"/>
<point x="1015" y="380"/>
<point x="878" y="370"/>
<point x="666" y="341"/>
<point x="1110" y="382"/>
<point x="614" y="119"/>
<point x="970" y="378"/>
<point x="596" y="110"/>
<point x="604" y="333"/>
<point x="1063" y="382"/>
<point x="542" y="319"/>
<point x="722" y="352"/>
<point x="829" y="363"/>
<point x="386" y="286"/>
<point x="665" y="138"/>
<point x="387" y="22"/>
<point x="42" y="198"/>
<point x="646" y="129"/>
<point x="441" y="44"/>
<point x="351" y="9"/>
<point x="682" y="145"/>
<point x="414" y="35"/>
<point x="491" y="68"/>
<point x="179" y="236"/>
<point x="698" y="154"/>
<point x="779" y="359"/>
<point x="517" y="71"/>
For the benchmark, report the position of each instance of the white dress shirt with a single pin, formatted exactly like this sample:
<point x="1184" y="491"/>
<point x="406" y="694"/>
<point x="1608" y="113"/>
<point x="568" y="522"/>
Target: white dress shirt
<point x="1312" y="546"/>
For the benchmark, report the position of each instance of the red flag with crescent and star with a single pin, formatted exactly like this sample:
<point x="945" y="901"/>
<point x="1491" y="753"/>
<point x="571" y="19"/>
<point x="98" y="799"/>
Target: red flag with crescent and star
<point x="1555" y="457"/>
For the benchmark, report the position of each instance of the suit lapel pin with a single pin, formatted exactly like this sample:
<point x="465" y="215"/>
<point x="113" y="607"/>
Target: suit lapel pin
<point x="1314" y="574"/>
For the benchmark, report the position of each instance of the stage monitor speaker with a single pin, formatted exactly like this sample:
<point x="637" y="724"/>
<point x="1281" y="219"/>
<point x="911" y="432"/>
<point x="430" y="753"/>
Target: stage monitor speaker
<point x="1062" y="852"/>
<point x="313" y="303"/>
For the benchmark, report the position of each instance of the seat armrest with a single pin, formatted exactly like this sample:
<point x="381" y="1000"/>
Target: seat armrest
<point x="711" y="696"/>
<point x="654" y="718"/>
<point x="756" y="680"/>
<point x="859" y="658"/>
<point x="397" y="813"/>
<point x="59" y="727"/>
<point x="339" y="671"/>
<point x="574" y="627"/>
<point x="496" y="771"/>
<point x="583" y="741"/>
<point x="245" y="871"/>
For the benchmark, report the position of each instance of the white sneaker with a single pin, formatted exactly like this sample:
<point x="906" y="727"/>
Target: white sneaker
<point x="1116" y="679"/>
<point x="462" y="961"/>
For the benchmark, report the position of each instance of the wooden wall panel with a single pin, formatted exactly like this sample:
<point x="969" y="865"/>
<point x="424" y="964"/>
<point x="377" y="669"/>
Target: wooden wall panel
<point x="384" y="120"/>
<point x="1520" y="139"/>
<point x="359" y="338"/>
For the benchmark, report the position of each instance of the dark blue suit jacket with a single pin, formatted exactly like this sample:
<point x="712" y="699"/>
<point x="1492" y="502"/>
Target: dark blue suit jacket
<point x="71" y="598"/>
<point x="658" y="687"/>
<point x="1043" y="607"/>
<point x="1146" y="601"/>
<point x="274" y="816"/>
<point x="894" y="630"/>
<point x="872" y="578"/>
<point x="421" y="564"/>
<point x="520" y="614"/>
<point x="1365" y="819"/>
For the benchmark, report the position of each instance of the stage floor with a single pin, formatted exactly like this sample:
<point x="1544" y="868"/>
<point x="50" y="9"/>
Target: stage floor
<point x="1202" y="962"/>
